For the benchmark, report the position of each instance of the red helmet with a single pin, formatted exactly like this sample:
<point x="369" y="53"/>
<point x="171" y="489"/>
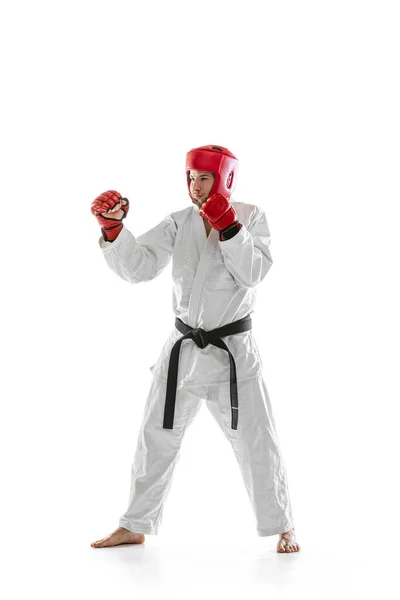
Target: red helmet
<point x="217" y="160"/>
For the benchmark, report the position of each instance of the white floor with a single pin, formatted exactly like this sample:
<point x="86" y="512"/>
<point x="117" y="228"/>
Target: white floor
<point x="218" y="569"/>
<point x="178" y="568"/>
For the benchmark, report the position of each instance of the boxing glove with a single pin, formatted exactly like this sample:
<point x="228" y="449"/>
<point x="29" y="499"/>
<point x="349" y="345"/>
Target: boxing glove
<point x="221" y="215"/>
<point x="109" y="209"/>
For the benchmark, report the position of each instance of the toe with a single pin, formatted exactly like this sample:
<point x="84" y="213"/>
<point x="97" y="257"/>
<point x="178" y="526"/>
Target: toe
<point x="98" y="544"/>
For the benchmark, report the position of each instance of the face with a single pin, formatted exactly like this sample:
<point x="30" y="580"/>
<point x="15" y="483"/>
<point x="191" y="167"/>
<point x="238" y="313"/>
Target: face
<point x="201" y="183"/>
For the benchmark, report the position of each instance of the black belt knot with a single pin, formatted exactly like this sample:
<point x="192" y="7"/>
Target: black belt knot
<point x="202" y="338"/>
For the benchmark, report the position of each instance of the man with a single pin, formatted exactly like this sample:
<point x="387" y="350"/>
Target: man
<point x="220" y="253"/>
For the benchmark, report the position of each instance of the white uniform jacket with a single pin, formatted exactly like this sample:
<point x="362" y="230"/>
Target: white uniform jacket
<point x="214" y="283"/>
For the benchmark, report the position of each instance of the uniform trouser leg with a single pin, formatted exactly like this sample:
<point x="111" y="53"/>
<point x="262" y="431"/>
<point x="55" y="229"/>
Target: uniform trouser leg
<point x="156" y="456"/>
<point x="256" y="447"/>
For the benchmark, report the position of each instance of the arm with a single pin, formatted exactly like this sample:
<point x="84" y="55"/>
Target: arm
<point x="143" y="258"/>
<point x="246" y="254"/>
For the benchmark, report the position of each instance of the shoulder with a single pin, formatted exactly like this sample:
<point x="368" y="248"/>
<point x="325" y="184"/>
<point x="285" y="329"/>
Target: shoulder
<point x="179" y="216"/>
<point x="175" y="219"/>
<point x="248" y="213"/>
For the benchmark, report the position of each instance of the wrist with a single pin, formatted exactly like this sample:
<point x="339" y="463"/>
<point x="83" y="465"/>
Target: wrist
<point x="230" y="231"/>
<point x="111" y="233"/>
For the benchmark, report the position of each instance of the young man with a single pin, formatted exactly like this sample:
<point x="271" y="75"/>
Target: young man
<point x="220" y="253"/>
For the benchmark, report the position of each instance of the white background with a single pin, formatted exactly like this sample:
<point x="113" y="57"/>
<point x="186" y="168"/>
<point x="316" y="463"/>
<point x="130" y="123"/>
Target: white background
<point x="111" y="95"/>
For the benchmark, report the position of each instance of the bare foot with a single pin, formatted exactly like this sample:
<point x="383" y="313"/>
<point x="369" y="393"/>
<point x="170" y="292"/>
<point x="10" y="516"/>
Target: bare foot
<point x="287" y="542"/>
<point x="119" y="536"/>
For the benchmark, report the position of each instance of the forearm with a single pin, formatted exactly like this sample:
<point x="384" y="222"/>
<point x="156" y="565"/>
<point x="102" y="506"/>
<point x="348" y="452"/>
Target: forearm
<point x="140" y="259"/>
<point x="246" y="254"/>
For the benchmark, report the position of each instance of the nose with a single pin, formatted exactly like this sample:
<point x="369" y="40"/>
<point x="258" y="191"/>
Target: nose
<point x="196" y="185"/>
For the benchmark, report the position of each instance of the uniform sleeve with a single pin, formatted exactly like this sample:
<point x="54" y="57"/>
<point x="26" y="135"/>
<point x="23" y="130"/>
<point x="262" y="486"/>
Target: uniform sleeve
<point x="142" y="258"/>
<point x="246" y="254"/>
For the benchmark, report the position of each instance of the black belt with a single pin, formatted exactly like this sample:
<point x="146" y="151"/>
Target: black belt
<point x="202" y="339"/>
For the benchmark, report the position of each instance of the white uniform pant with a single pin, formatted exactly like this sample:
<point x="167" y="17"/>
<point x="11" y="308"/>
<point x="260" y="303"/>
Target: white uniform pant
<point x="254" y="443"/>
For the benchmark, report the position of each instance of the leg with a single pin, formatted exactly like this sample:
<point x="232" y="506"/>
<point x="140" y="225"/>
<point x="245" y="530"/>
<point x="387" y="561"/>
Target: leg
<point x="256" y="447"/>
<point x="156" y="456"/>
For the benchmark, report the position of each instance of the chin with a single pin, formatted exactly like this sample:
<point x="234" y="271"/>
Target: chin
<point x="196" y="202"/>
<point x="195" y="206"/>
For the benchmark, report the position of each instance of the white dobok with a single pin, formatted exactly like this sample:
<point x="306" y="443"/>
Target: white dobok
<point x="214" y="284"/>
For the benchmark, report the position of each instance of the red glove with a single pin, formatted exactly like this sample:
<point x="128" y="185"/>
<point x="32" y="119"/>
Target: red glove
<point x="111" y="226"/>
<point x="221" y="215"/>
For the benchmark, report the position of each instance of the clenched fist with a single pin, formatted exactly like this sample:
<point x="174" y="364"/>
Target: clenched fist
<point x="109" y="209"/>
<point x="221" y="215"/>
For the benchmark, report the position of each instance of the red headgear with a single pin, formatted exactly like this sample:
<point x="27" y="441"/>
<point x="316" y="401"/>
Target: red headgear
<point x="217" y="160"/>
